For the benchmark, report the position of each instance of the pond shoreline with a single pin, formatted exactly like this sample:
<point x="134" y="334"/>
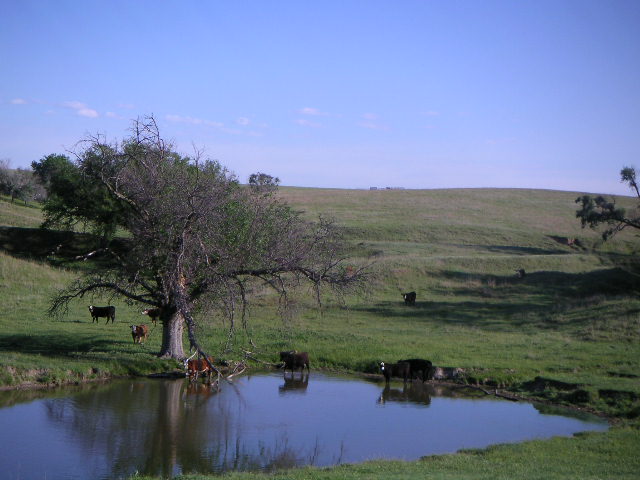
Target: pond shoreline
<point x="176" y="374"/>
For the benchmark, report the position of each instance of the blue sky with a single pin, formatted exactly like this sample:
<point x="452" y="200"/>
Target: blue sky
<point x="345" y="94"/>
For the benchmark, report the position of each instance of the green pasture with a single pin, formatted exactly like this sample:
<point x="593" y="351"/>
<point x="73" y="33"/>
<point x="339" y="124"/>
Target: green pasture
<point x="573" y="322"/>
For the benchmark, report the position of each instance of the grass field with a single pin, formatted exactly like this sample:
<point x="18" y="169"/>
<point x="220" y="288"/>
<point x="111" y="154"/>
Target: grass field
<point x="573" y="320"/>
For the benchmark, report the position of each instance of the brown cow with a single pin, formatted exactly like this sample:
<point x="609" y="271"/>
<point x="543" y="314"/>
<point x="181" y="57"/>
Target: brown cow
<point x="139" y="333"/>
<point x="153" y="314"/>
<point x="197" y="366"/>
<point x="294" y="360"/>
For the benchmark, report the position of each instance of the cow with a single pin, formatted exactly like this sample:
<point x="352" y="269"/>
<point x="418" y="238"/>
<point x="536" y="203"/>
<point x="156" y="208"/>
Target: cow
<point x="109" y="312"/>
<point x="520" y="273"/>
<point x="293" y="360"/>
<point x="409" y="298"/>
<point x="422" y="369"/>
<point x="400" y="369"/>
<point x="153" y="314"/>
<point x="196" y="366"/>
<point x="139" y="333"/>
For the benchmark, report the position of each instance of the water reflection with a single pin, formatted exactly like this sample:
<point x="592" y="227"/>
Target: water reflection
<point x="294" y="385"/>
<point x="416" y="393"/>
<point x="260" y="422"/>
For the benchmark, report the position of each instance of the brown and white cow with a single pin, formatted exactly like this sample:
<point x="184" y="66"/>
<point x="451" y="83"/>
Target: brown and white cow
<point x="139" y="333"/>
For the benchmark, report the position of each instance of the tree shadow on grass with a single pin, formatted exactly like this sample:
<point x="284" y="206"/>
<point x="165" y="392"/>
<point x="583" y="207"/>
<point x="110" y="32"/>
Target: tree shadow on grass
<point x="540" y="300"/>
<point x="53" y="344"/>
<point x="56" y="247"/>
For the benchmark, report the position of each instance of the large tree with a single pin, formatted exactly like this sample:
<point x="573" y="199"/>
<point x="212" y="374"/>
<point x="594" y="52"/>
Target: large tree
<point x="599" y="210"/>
<point x="194" y="232"/>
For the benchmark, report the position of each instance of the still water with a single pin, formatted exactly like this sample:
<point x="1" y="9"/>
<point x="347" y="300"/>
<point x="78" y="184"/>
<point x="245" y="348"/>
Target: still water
<point x="258" y="422"/>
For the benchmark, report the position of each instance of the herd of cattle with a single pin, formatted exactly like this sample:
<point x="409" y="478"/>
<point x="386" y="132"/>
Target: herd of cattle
<point x="408" y="370"/>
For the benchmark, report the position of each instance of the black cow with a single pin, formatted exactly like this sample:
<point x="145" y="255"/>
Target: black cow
<point x="409" y="298"/>
<point x="96" y="312"/>
<point x="294" y="360"/>
<point x="400" y="369"/>
<point x="422" y="369"/>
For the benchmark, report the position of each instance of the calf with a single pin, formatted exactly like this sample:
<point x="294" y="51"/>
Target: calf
<point x="400" y="369"/>
<point x="153" y="314"/>
<point x="139" y="333"/>
<point x="109" y="312"/>
<point x="198" y="366"/>
<point x="294" y="360"/>
<point x="409" y="298"/>
<point x="422" y="369"/>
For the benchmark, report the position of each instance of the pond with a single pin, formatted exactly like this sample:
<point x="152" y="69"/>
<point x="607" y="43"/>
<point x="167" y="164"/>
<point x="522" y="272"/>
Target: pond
<point x="258" y="422"/>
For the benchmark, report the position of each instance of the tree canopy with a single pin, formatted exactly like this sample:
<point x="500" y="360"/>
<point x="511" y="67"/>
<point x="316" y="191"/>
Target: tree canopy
<point x="599" y="210"/>
<point x="193" y="232"/>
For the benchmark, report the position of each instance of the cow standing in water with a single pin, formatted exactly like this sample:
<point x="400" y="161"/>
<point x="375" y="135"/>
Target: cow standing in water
<point x="294" y="360"/>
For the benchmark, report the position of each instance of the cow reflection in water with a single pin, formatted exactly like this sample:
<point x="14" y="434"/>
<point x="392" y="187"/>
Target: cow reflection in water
<point x="294" y="385"/>
<point x="412" y="393"/>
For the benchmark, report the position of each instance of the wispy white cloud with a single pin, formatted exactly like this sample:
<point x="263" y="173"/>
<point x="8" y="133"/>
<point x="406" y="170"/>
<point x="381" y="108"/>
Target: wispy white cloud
<point x="113" y="115"/>
<point x="81" y="109"/>
<point x="18" y="101"/>
<point x="370" y="121"/>
<point x="307" y="123"/>
<point x="313" y="112"/>
<point x="193" y="121"/>
<point x="244" y="121"/>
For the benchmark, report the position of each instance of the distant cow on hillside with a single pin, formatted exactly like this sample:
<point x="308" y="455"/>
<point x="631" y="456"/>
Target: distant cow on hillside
<point x="96" y="312"/>
<point x="409" y="298"/>
<point x="139" y="333"/>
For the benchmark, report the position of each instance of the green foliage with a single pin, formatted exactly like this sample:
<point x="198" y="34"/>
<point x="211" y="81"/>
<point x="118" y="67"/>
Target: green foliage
<point x="600" y="210"/>
<point x="75" y="197"/>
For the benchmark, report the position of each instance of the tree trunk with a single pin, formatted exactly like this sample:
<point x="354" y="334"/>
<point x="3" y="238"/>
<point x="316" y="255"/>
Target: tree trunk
<point x="172" y="327"/>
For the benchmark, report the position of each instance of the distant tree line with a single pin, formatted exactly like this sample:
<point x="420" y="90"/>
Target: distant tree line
<point x="20" y="184"/>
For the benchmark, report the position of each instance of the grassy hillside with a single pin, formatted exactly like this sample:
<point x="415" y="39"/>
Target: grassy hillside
<point x="573" y="318"/>
<point x="569" y="331"/>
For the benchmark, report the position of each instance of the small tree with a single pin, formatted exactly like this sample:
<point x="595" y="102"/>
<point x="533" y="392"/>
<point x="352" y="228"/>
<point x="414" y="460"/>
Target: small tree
<point x="18" y="183"/>
<point x="602" y="211"/>
<point x="196" y="233"/>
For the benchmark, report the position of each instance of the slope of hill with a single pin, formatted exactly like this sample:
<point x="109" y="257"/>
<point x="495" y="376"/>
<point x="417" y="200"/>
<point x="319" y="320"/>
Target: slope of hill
<point x="573" y="317"/>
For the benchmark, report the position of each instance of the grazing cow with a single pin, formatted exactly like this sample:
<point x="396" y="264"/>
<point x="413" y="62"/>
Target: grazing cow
<point x="153" y="314"/>
<point x="294" y="360"/>
<point x="400" y="369"/>
<point x="419" y="368"/>
<point x="109" y="312"/>
<point x="139" y="333"/>
<point x="409" y="298"/>
<point x="520" y="273"/>
<point x="198" y="366"/>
